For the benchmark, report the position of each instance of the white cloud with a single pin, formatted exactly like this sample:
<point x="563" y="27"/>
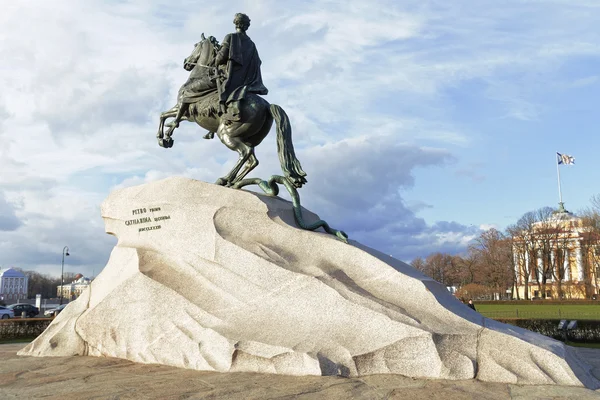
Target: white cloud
<point x="368" y="87"/>
<point x="487" y="227"/>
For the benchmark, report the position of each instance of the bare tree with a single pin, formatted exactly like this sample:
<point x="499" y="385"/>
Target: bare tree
<point x="590" y="246"/>
<point x="468" y="267"/>
<point x="419" y="264"/>
<point x="547" y="232"/>
<point x="438" y="266"/>
<point x="515" y="260"/>
<point x="523" y="240"/>
<point x="495" y="253"/>
<point x="560" y="258"/>
<point x="38" y="283"/>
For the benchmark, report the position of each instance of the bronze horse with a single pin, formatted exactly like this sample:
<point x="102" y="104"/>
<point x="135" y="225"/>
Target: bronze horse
<point x="243" y="136"/>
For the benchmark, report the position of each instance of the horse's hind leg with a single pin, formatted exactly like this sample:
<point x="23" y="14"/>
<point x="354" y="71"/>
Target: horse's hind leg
<point x="236" y="144"/>
<point x="250" y="165"/>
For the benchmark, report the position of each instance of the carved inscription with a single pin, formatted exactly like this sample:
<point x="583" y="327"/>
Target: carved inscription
<point x="149" y="228"/>
<point x="138" y="221"/>
<point x="144" y="220"/>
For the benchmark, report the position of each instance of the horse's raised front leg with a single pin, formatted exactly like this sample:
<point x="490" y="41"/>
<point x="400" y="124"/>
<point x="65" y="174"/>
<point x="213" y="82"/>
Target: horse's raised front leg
<point x="181" y="114"/>
<point x="165" y="142"/>
<point x="163" y="117"/>
<point x="172" y="123"/>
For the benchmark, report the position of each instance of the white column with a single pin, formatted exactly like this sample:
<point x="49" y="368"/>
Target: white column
<point x="567" y="265"/>
<point x="517" y="268"/>
<point x="579" y="262"/>
<point x="540" y="266"/>
<point x="553" y="266"/>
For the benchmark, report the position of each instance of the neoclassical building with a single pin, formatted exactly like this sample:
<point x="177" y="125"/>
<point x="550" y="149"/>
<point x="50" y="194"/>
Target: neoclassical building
<point x="74" y="289"/>
<point x="13" y="285"/>
<point x="557" y="258"/>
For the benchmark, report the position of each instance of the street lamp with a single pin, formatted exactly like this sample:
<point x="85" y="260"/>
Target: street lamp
<point x="62" y="272"/>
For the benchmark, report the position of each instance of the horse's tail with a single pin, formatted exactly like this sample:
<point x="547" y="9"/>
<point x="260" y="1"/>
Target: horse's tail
<point x="287" y="157"/>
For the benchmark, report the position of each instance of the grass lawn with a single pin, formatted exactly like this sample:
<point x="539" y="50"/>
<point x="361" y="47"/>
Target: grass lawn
<point x="542" y="311"/>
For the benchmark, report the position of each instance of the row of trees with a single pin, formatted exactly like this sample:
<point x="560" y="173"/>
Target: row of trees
<point x="486" y="268"/>
<point x="44" y="284"/>
<point x="539" y="243"/>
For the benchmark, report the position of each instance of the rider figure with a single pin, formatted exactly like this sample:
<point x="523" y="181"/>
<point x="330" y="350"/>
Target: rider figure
<point x="243" y="75"/>
<point x="241" y="62"/>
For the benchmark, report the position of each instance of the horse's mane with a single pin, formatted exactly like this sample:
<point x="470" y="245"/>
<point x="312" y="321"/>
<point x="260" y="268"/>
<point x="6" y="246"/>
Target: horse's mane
<point x="214" y="42"/>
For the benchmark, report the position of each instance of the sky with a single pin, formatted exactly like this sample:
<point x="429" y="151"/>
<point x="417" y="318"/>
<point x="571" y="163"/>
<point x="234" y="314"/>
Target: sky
<point x="419" y="123"/>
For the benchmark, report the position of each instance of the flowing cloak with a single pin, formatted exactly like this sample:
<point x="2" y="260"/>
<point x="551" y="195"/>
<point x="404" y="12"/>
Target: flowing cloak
<point x="243" y="68"/>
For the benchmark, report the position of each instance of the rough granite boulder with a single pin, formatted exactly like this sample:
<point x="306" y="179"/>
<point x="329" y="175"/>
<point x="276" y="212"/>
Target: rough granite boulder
<point x="211" y="278"/>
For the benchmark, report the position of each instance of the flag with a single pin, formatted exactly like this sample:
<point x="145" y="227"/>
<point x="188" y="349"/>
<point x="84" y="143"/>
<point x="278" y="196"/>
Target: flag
<point x="565" y="159"/>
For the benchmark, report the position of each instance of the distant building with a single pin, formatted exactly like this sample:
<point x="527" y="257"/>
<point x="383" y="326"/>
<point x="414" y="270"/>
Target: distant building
<point x="75" y="288"/>
<point x="558" y="258"/>
<point x="13" y="285"/>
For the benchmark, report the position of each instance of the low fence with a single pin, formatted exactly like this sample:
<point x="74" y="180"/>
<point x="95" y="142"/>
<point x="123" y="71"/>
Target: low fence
<point x="543" y="314"/>
<point x="22" y="328"/>
<point x="586" y="331"/>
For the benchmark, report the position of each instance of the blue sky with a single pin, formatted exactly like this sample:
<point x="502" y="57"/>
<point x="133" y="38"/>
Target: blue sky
<point x="419" y="123"/>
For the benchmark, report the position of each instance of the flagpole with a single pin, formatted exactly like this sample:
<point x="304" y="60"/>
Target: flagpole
<point x="558" y="174"/>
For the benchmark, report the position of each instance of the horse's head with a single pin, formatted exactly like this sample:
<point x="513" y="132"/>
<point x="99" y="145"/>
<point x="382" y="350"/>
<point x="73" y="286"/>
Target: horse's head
<point x="203" y="53"/>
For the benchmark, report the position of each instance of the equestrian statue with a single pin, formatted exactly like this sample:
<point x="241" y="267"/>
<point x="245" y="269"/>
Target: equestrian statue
<point x="223" y="95"/>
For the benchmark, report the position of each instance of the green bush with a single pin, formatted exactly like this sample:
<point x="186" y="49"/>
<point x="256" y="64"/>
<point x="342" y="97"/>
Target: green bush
<point x="586" y="331"/>
<point x="579" y="302"/>
<point x="22" y="328"/>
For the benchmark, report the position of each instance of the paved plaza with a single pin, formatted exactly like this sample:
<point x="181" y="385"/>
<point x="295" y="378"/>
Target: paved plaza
<point x="80" y="378"/>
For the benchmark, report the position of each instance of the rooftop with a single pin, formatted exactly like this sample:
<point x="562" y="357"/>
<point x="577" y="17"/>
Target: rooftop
<point x="11" y="273"/>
